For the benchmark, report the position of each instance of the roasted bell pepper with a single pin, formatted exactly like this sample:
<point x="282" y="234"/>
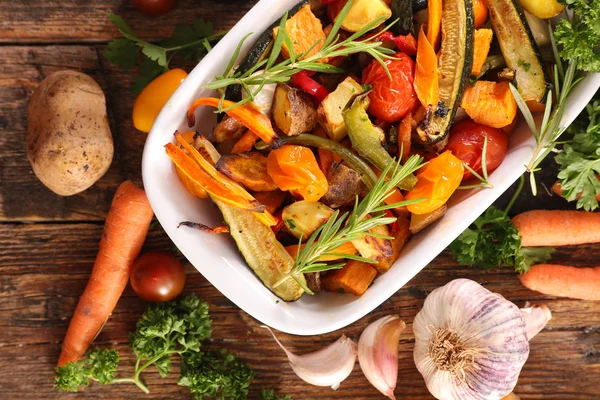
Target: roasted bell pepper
<point x="303" y="80"/>
<point x="366" y="138"/>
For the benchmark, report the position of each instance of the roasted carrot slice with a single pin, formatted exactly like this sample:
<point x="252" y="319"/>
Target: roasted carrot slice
<point x="355" y="278"/>
<point x="434" y="24"/>
<point x="190" y="185"/>
<point x="247" y="115"/>
<point x="481" y="48"/>
<point x="426" y="82"/>
<point x="249" y="169"/>
<point x="245" y="143"/>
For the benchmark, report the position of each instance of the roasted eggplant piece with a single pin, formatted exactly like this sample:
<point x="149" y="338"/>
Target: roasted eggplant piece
<point x="344" y="185"/>
<point x="302" y="218"/>
<point x="249" y="169"/>
<point x="455" y="64"/>
<point x="402" y="10"/>
<point x="294" y="111"/>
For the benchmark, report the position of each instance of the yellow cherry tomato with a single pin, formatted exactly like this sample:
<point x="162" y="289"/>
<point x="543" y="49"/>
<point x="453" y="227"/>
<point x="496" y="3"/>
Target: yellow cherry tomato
<point x="154" y="97"/>
<point x="436" y="183"/>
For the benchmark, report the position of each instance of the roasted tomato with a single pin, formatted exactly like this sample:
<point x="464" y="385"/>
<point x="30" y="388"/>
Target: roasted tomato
<point x="466" y="142"/>
<point x="436" y="182"/>
<point x="392" y="99"/>
<point x="295" y="168"/>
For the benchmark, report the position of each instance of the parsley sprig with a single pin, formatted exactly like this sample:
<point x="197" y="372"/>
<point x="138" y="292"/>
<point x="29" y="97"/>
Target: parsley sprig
<point x="367" y="214"/>
<point x="270" y="71"/>
<point x="187" y="42"/>
<point x="493" y="241"/>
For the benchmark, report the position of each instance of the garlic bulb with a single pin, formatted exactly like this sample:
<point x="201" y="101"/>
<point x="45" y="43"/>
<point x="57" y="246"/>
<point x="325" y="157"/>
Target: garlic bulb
<point x="470" y="343"/>
<point x="378" y="353"/>
<point x="329" y="366"/>
<point x="536" y="318"/>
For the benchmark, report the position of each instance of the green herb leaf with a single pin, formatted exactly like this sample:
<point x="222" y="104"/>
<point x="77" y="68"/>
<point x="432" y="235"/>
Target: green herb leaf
<point x="269" y="394"/>
<point x="528" y="256"/>
<point x="147" y="72"/>
<point x="123" y="53"/>
<point x="98" y="365"/>
<point x="580" y="36"/>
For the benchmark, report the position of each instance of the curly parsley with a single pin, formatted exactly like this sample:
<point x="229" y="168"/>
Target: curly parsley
<point x="579" y="36"/>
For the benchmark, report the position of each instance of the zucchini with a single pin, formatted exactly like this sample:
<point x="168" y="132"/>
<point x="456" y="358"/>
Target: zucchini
<point x="263" y="252"/>
<point x="519" y="49"/>
<point x="402" y="11"/>
<point x="258" y="52"/>
<point x="455" y="64"/>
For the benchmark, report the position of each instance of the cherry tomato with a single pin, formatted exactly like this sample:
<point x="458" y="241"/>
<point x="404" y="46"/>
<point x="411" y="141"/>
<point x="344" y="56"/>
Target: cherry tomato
<point x="157" y="276"/>
<point x="466" y="142"/>
<point x="436" y="183"/>
<point x="481" y="13"/>
<point x="295" y="168"/>
<point x="154" y="8"/>
<point x="334" y="8"/>
<point x="391" y="100"/>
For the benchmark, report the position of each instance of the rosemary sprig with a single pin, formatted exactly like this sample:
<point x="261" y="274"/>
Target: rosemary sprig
<point x="268" y="71"/>
<point x="366" y="215"/>
<point x="485" y="182"/>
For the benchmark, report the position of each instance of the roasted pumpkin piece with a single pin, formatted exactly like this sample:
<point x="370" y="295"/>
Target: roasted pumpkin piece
<point x="302" y="218"/>
<point x="374" y="248"/>
<point x="228" y="129"/>
<point x="355" y="277"/>
<point x="418" y="222"/>
<point x="490" y="103"/>
<point x="481" y="48"/>
<point x="329" y="113"/>
<point x="249" y="169"/>
<point x="344" y="185"/>
<point x="363" y="12"/>
<point x="294" y="111"/>
<point x="401" y="236"/>
<point x="272" y="200"/>
<point x="305" y="29"/>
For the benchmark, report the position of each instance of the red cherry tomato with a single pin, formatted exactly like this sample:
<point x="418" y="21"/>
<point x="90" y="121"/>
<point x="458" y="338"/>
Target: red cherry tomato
<point x="154" y="8"/>
<point x="334" y="8"/>
<point x="157" y="276"/>
<point x="466" y="142"/>
<point x="391" y="100"/>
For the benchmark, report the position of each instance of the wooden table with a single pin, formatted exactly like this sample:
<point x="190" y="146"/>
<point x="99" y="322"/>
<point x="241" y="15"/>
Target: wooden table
<point x="48" y="243"/>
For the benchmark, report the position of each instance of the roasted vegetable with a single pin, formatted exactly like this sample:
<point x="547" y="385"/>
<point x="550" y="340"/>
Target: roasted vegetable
<point x="302" y="218"/>
<point x="402" y="11"/>
<point x="372" y="247"/>
<point x="249" y="169"/>
<point x="543" y="9"/>
<point x="306" y="33"/>
<point x="355" y="277"/>
<point x="271" y="200"/>
<point x="490" y="103"/>
<point x="313" y="280"/>
<point x="228" y="129"/>
<point x="427" y="77"/>
<point x="263" y="252"/>
<point x="520" y="50"/>
<point x="364" y="12"/>
<point x="339" y="252"/>
<point x="294" y="111"/>
<point x="434" y="22"/>
<point x="329" y="113"/>
<point x="401" y="236"/>
<point x="481" y="48"/>
<point x="539" y="29"/>
<point x="263" y="100"/>
<point x="344" y="185"/>
<point x="455" y="64"/>
<point x="422" y="221"/>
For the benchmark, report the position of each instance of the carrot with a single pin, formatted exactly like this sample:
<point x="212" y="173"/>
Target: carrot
<point x="355" y="277"/>
<point x="481" y="49"/>
<point x="250" y="117"/>
<point x="404" y="136"/>
<point x="434" y="24"/>
<point x="125" y="230"/>
<point x="556" y="188"/>
<point x="557" y="228"/>
<point x="426" y="82"/>
<point x="190" y="185"/>
<point x="346" y="248"/>
<point x="245" y="143"/>
<point x="563" y="281"/>
<point x="490" y="103"/>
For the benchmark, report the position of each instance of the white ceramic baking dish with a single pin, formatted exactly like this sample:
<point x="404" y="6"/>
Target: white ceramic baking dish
<point x="216" y="256"/>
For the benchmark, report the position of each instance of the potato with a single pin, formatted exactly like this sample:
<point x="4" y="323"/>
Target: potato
<point x="69" y="144"/>
<point x="302" y="218"/>
<point x="329" y="113"/>
<point x="344" y="185"/>
<point x="294" y="111"/>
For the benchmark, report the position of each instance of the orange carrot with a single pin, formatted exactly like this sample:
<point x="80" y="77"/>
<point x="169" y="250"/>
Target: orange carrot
<point x="250" y="117"/>
<point x="405" y="135"/>
<point x="426" y="82"/>
<point x="556" y="188"/>
<point x="245" y="143"/>
<point x="355" y="278"/>
<point x="558" y="228"/>
<point x="481" y="49"/>
<point x="563" y="281"/>
<point x="490" y="103"/>
<point x="125" y="230"/>
<point x="434" y="24"/>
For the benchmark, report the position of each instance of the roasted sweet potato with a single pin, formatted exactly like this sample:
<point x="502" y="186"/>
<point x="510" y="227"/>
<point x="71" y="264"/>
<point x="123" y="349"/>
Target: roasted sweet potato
<point x="272" y="200"/>
<point x="305" y="30"/>
<point x="294" y="111"/>
<point x="373" y="247"/>
<point x="249" y="169"/>
<point x="344" y="185"/>
<point x="355" y="278"/>
<point x="422" y="221"/>
<point x="400" y="238"/>
<point x="229" y="128"/>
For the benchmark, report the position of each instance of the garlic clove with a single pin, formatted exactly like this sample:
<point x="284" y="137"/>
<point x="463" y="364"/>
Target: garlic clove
<point x="536" y="318"/>
<point x="329" y="366"/>
<point x="378" y="353"/>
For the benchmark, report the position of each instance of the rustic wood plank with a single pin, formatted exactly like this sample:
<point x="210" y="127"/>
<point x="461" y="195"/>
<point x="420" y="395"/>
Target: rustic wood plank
<point x="42" y="274"/>
<point x="22" y="196"/>
<point x="72" y="21"/>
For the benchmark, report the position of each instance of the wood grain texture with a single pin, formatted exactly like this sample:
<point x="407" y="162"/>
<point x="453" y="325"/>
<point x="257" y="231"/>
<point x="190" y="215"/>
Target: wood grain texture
<point x="42" y="275"/>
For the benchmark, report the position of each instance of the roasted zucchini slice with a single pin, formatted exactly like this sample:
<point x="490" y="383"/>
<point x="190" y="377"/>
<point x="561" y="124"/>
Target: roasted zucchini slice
<point x="455" y="63"/>
<point x="520" y="50"/>
<point x="263" y="252"/>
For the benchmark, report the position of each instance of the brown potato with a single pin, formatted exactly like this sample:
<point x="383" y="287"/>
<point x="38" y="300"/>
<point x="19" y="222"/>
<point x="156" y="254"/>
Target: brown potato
<point x="344" y="185"/>
<point x="294" y="111"/>
<point x="69" y="144"/>
<point x="400" y="238"/>
<point x="249" y="169"/>
<point x="373" y="247"/>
